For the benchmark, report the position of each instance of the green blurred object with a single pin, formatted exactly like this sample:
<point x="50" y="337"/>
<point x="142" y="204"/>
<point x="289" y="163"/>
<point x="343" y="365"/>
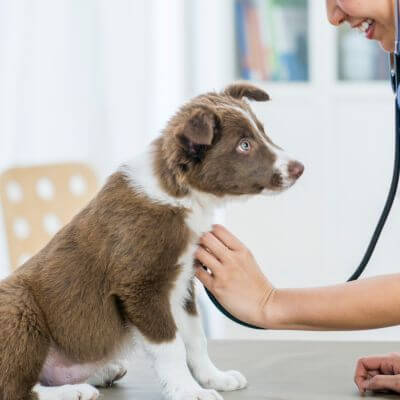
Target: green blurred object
<point x="290" y="3"/>
<point x="272" y="39"/>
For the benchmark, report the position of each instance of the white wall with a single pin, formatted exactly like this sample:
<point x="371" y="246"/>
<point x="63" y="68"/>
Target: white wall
<point x="89" y="81"/>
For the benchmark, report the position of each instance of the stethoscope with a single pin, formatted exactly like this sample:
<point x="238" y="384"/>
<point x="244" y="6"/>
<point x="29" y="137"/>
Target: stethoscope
<point x="395" y="80"/>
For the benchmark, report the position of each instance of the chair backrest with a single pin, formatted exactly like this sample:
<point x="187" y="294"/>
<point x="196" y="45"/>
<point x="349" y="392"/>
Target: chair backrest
<point x="38" y="201"/>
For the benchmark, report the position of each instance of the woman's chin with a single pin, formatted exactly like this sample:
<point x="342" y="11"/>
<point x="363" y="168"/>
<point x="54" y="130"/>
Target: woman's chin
<point x="387" y="45"/>
<point x="387" y="42"/>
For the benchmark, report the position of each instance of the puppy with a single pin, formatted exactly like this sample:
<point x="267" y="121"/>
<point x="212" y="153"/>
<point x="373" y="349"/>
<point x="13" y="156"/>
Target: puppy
<point x="122" y="270"/>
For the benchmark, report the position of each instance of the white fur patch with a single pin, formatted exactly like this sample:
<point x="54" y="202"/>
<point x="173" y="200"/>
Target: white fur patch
<point x="249" y="118"/>
<point x="67" y="392"/>
<point x="140" y="173"/>
<point x="282" y="163"/>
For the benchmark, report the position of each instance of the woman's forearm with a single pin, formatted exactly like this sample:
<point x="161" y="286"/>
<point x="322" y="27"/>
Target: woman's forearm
<point x="364" y="304"/>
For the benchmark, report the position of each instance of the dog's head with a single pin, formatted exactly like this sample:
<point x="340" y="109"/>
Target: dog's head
<point x="220" y="147"/>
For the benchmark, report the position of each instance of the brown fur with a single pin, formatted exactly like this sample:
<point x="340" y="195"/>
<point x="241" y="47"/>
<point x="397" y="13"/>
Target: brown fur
<point x="113" y="266"/>
<point x="89" y="284"/>
<point x="190" y="303"/>
<point x="245" y="89"/>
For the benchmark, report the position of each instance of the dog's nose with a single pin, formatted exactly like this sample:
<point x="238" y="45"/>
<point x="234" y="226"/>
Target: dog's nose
<point x="295" y="169"/>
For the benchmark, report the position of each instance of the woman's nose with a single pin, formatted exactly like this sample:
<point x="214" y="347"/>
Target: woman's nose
<point x="336" y="16"/>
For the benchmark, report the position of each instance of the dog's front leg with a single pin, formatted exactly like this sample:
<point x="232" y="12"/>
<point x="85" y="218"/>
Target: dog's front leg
<point x="207" y="374"/>
<point x="169" y="361"/>
<point x="157" y="332"/>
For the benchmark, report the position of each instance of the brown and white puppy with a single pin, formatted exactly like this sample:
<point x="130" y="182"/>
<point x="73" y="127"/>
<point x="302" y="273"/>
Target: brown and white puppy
<point x="122" y="270"/>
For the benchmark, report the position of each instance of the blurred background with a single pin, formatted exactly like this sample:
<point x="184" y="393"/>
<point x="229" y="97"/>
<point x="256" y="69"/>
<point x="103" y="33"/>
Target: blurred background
<point x="94" y="82"/>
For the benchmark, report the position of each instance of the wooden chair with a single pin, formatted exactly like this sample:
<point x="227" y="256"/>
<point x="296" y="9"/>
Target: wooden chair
<point x="38" y="201"/>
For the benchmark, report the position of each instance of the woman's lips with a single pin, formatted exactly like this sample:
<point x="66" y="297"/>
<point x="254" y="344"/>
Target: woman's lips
<point x="366" y="27"/>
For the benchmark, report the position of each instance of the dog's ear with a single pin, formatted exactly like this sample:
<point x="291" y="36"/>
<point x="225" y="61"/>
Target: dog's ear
<point x="244" y="89"/>
<point x="198" y="131"/>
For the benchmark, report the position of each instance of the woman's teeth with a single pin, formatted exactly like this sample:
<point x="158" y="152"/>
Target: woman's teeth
<point x="364" y="26"/>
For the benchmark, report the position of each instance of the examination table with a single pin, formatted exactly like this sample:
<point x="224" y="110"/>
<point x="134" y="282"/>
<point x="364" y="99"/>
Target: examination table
<point x="276" y="370"/>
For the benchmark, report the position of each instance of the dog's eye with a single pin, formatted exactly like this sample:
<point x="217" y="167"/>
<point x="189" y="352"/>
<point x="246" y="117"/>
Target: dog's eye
<point x="244" y="146"/>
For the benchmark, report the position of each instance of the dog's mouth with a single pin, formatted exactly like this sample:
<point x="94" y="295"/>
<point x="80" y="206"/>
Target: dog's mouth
<point x="281" y="180"/>
<point x="275" y="190"/>
<point x="277" y="181"/>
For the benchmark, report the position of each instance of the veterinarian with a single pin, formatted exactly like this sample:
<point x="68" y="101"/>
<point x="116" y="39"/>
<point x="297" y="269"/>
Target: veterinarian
<point x="240" y="286"/>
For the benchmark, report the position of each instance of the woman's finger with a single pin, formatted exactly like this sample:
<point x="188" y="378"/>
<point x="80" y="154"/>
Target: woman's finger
<point x="207" y="259"/>
<point x="229" y="240"/>
<point x="387" y="365"/>
<point x="204" y="277"/>
<point x="366" y="368"/>
<point x="373" y="373"/>
<point x="384" y="382"/>
<point x="360" y="376"/>
<point x="371" y="363"/>
<point x="216" y="247"/>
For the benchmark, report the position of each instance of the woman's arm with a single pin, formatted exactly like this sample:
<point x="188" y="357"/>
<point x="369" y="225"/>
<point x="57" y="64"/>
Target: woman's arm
<point x="364" y="304"/>
<point x="240" y="286"/>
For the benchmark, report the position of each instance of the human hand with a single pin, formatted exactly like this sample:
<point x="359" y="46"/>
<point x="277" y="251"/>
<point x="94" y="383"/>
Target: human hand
<point x="378" y="373"/>
<point x="234" y="276"/>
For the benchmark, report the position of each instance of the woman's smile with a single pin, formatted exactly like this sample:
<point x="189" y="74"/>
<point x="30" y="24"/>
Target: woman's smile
<point x="366" y="27"/>
<point x="373" y="18"/>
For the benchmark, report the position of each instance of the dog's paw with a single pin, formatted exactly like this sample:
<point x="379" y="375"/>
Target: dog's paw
<point x="200" y="394"/>
<point x="108" y="375"/>
<point x="79" y="392"/>
<point x="68" y="392"/>
<point x="224" y="381"/>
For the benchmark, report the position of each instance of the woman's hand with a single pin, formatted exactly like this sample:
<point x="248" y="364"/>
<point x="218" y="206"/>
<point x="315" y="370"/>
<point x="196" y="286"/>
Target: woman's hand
<point x="378" y="373"/>
<point x="234" y="276"/>
<point x="239" y="285"/>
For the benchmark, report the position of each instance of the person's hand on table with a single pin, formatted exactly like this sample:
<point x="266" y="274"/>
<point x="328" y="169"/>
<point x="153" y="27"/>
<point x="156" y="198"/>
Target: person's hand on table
<point x="378" y="373"/>
<point x="234" y="276"/>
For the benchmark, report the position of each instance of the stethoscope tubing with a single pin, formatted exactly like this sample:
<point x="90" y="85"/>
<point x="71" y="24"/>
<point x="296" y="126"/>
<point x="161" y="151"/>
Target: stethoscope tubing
<point x="388" y="204"/>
